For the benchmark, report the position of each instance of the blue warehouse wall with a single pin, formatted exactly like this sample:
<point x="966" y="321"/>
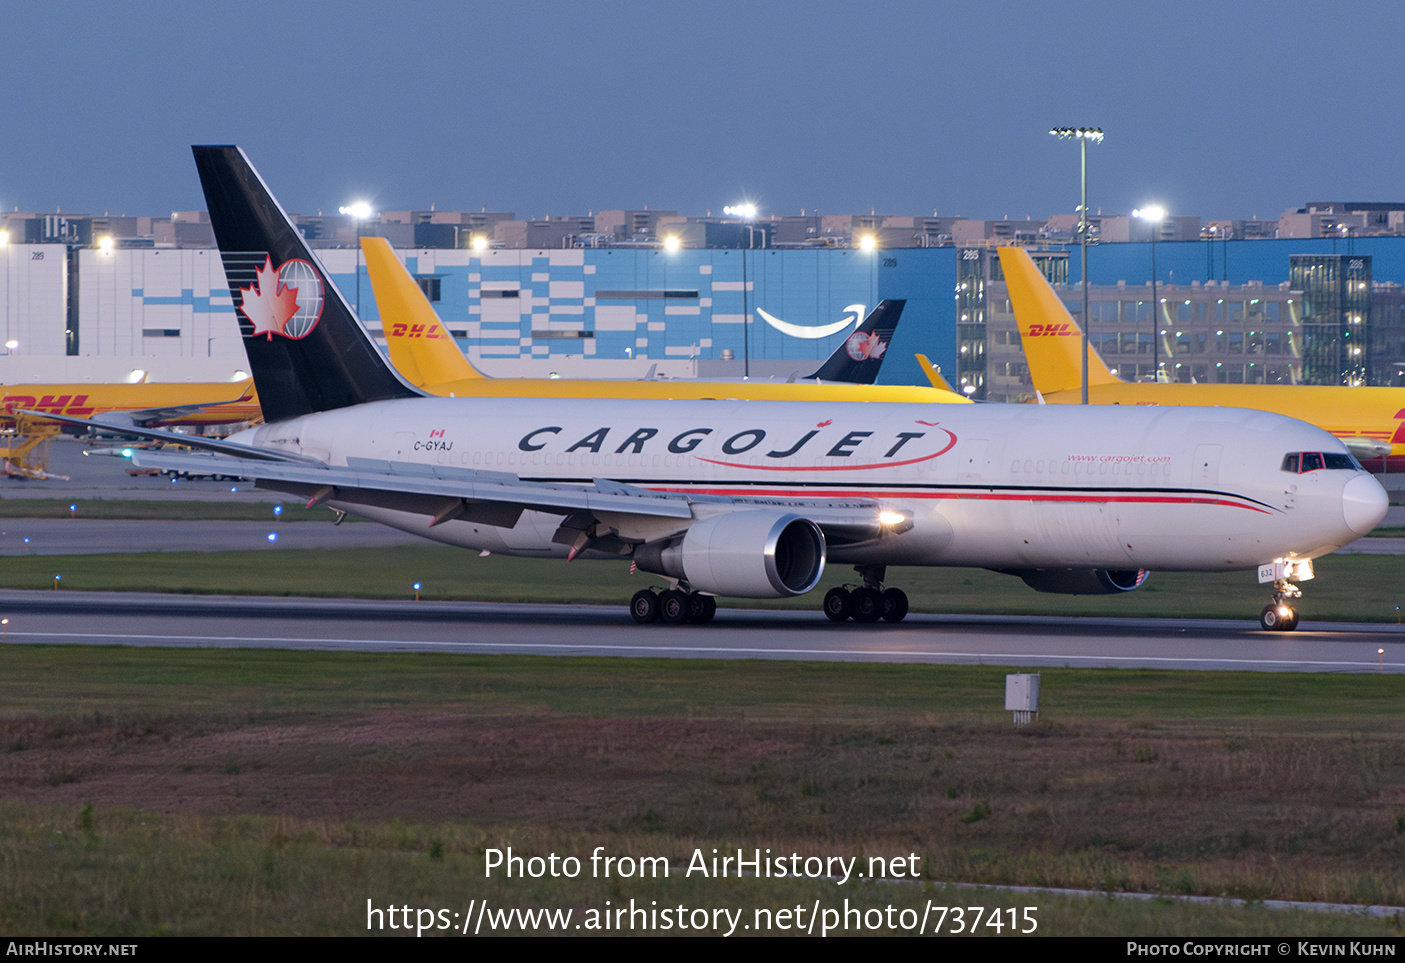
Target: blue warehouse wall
<point x="926" y="277"/>
<point x="1181" y="262"/>
<point x="657" y="304"/>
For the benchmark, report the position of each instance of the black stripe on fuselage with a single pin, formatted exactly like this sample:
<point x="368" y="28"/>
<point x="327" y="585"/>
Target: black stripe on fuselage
<point x="1035" y="492"/>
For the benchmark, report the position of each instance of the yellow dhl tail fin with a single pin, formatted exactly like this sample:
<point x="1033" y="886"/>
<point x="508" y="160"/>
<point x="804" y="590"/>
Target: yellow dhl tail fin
<point x="420" y="346"/>
<point x="1053" y="342"/>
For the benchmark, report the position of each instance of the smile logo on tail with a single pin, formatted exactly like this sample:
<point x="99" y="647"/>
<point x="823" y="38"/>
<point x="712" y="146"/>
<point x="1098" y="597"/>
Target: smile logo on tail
<point x="286" y="302"/>
<point x="812" y="332"/>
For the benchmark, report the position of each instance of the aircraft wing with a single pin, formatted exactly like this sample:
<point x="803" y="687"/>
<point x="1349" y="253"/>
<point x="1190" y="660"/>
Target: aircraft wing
<point x="425" y="489"/>
<point x="499" y="498"/>
<point x="171" y="437"/>
<point x="1364" y="448"/>
<point x="142" y="417"/>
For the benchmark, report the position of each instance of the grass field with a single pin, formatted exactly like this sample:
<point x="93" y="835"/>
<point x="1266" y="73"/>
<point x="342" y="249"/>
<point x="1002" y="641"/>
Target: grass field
<point x="1347" y="588"/>
<point x="218" y="792"/>
<point x="228" y="792"/>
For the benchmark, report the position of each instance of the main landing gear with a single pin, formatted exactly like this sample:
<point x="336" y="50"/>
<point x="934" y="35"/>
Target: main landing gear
<point x="1279" y="615"/>
<point x="672" y="607"/>
<point x="869" y="602"/>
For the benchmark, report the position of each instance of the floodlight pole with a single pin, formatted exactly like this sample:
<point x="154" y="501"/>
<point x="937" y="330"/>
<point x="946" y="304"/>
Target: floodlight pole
<point x="1154" y="215"/>
<point x="1084" y="134"/>
<point x="746" y="315"/>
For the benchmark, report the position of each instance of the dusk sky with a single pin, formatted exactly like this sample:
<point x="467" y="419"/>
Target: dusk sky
<point x="1215" y="109"/>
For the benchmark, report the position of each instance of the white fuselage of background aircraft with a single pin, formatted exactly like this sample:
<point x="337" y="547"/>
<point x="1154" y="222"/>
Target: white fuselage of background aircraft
<point x="1004" y="487"/>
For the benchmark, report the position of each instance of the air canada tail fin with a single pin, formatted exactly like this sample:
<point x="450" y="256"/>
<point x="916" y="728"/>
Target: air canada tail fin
<point x="1053" y="341"/>
<point x="307" y="350"/>
<point x="858" y="359"/>
<point x="420" y="347"/>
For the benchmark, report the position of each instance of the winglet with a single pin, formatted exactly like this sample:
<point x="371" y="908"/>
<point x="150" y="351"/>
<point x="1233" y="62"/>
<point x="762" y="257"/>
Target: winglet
<point x="419" y="345"/>
<point x="1053" y="342"/>
<point x="934" y="374"/>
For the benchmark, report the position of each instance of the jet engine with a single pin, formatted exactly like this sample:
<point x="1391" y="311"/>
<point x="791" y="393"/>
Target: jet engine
<point x="1081" y="581"/>
<point x="755" y="555"/>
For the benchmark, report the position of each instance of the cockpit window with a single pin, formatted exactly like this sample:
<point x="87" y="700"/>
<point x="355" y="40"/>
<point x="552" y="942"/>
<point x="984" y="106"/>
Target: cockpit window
<point x="1304" y="461"/>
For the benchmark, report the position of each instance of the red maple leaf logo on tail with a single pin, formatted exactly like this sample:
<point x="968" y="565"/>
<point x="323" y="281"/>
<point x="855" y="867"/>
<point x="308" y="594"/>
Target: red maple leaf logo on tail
<point x="269" y="313"/>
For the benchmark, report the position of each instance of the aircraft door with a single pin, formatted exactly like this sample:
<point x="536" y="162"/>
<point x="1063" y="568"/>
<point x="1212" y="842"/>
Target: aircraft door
<point x="970" y="460"/>
<point x="1207" y="464"/>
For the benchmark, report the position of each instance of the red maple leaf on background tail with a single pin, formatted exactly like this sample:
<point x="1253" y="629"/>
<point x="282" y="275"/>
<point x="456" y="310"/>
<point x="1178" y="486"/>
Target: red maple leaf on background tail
<point x="269" y="313"/>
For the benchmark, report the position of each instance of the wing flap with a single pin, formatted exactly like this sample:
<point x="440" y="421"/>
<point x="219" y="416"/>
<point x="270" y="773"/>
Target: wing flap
<point x="446" y="494"/>
<point x="426" y="489"/>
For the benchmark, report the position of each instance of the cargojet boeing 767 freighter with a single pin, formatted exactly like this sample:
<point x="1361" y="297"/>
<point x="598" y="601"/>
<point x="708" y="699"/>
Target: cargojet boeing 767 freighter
<point x="752" y="498"/>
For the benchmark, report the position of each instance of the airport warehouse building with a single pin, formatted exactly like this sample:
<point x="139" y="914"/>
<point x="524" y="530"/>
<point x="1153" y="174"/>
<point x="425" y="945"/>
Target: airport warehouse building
<point x="1320" y="310"/>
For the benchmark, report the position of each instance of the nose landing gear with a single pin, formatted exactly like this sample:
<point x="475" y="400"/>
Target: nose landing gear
<point x="1279" y="615"/>
<point x="869" y="602"/>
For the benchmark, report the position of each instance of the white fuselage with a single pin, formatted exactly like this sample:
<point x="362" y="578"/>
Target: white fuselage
<point x="1006" y="487"/>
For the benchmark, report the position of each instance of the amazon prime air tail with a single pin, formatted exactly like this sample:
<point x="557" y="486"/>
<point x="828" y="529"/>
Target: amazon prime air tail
<point x="858" y="359"/>
<point x="307" y="350"/>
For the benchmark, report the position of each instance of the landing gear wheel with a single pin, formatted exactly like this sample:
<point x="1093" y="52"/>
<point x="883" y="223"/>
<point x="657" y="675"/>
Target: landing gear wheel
<point x="674" y="607"/>
<point x="644" y="607"/>
<point x="701" y="608"/>
<point x="838" y="604"/>
<point x="1277" y="617"/>
<point x="868" y="605"/>
<point x="894" y="605"/>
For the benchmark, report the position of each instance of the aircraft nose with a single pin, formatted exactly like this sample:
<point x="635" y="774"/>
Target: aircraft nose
<point x="1364" y="504"/>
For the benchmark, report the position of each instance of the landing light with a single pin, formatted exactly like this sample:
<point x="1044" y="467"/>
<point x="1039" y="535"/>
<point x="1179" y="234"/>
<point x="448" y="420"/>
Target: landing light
<point x="890" y="518"/>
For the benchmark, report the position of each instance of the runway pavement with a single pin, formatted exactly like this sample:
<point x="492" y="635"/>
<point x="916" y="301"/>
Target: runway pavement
<point x="349" y="625"/>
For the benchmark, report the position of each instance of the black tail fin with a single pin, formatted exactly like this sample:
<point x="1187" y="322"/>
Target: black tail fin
<point x="858" y="359"/>
<point x="307" y="350"/>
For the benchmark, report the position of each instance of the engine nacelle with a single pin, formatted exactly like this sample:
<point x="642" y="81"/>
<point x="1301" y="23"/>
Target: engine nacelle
<point x="117" y="419"/>
<point x="753" y="555"/>
<point x="1082" y="581"/>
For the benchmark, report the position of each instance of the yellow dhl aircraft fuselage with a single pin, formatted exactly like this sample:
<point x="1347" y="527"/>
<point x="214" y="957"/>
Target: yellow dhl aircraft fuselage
<point x="173" y="403"/>
<point x="1369" y="420"/>
<point x="428" y="357"/>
